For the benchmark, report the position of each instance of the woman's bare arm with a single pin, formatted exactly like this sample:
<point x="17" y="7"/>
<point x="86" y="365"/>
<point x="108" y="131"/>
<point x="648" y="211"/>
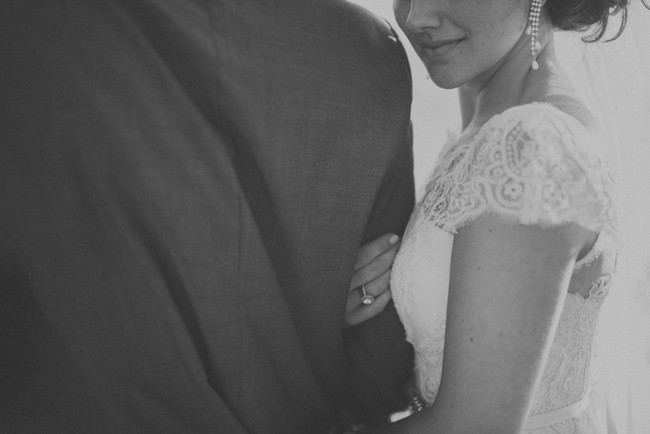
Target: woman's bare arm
<point x="507" y="288"/>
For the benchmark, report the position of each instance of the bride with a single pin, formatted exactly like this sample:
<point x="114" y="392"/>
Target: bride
<point x="503" y="272"/>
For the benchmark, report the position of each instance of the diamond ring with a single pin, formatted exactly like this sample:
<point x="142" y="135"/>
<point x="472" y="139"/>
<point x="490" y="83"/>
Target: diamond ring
<point x="366" y="299"/>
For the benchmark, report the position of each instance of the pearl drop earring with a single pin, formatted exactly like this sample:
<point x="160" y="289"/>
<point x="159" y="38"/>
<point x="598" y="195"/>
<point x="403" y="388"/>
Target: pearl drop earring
<point x="533" y="30"/>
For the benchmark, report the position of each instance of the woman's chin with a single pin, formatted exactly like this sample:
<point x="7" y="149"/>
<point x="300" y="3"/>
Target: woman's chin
<point x="444" y="81"/>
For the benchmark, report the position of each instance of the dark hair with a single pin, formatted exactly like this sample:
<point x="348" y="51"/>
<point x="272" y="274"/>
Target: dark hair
<point x="587" y="15"/>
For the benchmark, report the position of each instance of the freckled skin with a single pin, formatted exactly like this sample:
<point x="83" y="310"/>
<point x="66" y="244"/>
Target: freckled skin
<point x="489" y="29"/>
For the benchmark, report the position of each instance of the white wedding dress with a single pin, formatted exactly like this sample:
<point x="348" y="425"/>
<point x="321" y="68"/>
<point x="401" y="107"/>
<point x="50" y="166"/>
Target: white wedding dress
<point x="534" y="165"/>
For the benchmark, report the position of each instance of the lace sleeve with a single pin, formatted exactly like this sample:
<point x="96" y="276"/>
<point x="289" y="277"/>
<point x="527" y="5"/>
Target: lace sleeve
<point x="534" y="165"/>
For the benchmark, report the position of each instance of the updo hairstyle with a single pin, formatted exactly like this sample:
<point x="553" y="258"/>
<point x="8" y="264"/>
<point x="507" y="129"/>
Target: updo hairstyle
<point x="587" y="15"/>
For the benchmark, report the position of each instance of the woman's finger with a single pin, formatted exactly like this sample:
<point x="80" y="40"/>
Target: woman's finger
<point x="375" y="288"/>
<point x="374" y="248"/>
<point x="371" y="279"/>
<point x="375" y="268"/>
<point x="364" y="312"/>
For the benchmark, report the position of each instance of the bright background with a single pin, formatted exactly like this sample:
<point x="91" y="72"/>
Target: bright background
<point x="434" y="110"/>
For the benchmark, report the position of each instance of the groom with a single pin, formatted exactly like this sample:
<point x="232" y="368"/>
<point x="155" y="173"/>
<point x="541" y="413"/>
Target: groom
<point x="184" y="185"/>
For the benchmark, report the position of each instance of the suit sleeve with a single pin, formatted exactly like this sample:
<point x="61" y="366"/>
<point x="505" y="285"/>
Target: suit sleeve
<point x="381" y="359"/>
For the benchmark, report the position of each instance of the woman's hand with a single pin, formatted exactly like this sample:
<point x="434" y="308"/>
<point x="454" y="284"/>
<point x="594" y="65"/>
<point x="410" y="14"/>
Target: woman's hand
<point x="370" y="285"/>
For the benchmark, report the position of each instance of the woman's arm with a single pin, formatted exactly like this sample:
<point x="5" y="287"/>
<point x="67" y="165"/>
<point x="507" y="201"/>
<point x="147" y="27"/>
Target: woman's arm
<point x="507" y="288"/>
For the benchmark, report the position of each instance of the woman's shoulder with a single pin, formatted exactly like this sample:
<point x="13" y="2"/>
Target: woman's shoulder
<point x="566" y="116"/>
<point x="534" y="164"/>
<point x="545" y="131"/>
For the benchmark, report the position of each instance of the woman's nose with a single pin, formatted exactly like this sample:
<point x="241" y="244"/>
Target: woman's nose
<point x="423" y="14"/>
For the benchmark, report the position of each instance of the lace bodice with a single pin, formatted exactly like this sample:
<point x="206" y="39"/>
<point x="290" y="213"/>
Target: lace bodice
<point x="534" y="165"/>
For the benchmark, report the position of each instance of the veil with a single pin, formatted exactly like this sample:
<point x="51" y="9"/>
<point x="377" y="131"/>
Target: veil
<point x="614" y="79"/>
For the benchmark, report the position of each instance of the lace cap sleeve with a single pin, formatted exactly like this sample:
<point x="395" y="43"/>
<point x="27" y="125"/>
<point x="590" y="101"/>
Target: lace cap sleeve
<point x="532" y="164"/>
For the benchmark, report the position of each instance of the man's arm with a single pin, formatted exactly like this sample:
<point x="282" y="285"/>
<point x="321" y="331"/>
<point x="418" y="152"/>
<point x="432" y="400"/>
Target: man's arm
<point x="381" y="358"/>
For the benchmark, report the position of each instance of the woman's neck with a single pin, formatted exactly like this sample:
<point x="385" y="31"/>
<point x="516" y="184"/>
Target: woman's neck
<point x="509" y="83"/>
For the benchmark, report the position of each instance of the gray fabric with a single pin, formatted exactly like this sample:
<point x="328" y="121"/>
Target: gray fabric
<point x="183" y="189"/>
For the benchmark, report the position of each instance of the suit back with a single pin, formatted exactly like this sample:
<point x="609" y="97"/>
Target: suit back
<point x="185" y="185"/>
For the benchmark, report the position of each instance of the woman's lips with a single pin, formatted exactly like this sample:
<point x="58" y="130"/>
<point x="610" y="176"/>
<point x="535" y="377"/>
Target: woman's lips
<point x="434" y="51"/>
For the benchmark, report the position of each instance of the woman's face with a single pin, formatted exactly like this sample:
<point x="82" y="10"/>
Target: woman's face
<point x="462" y="41"/>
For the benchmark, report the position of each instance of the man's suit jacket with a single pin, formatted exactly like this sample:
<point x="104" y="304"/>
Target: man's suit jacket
<point x="184" y="185"/>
